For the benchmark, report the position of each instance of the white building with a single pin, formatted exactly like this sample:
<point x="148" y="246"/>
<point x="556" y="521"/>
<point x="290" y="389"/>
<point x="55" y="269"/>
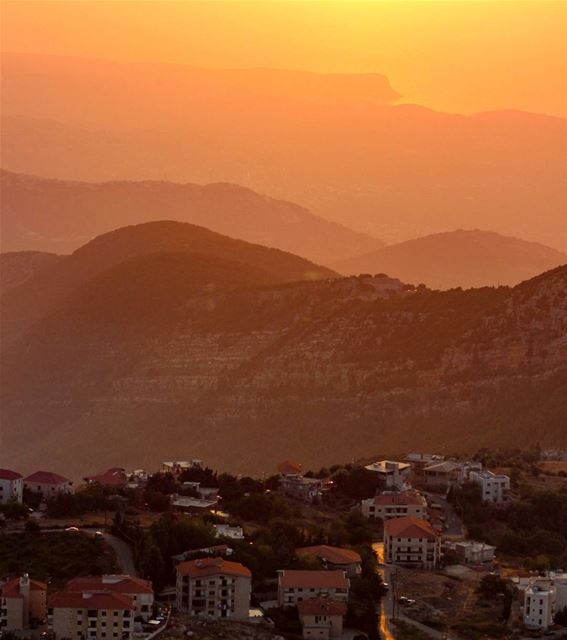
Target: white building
<point x="539" y="604"/>
<point x="21" y="601"/>
<point x="392" y="474"/>
<point x="48" y="484"/>
<point x="411" y="542"/>
<point x="470" y="552"/>
<point x="495" y="488"/>
<point x="226" y="531"/>
<point x="11" y="486"/>
<point x="394" y="505"/>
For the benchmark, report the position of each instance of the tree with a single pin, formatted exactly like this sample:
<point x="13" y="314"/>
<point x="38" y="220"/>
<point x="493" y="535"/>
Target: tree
<point x="561" y="617"/>
<point x="153" y="567"/>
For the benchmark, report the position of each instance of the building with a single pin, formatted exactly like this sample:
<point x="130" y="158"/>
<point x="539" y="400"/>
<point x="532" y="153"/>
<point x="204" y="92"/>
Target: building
<point x="442" y="475"/>
<point x="334" y="558"/>
<point x="539" y="604"/>
<point x="411" y="542"/>
<point x="289" y="468"/>
<point x="296" y="586"/>
<point x="138" y="590"/>
<point x="494" y="487"/>
<point x="213" y="587"/>
<point x="217" y="550"/>
<point x="177" y="467"/>
<point x="187" y="504"/>
<point x="114" y="477"/>
<point x="86" y="615"/>
<point x="21" y="601"/>
<point x="419" y="461"/>
<point x="296" y="486"/>
<point x="474" y="552"/>
<point x="226" y="531"/>
<point x="11" y="486"/>
<point x="48" y="484"/>
<point x="322" y="617"/>
<point x="394" y="505"/>
<point x="392" y="475"/>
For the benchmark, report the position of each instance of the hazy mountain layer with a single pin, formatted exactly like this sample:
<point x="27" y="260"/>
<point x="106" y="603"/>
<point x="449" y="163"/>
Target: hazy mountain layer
<point x="61" y="216"/>
<point x="18" y="266"/>
<point x="458" y="259"/>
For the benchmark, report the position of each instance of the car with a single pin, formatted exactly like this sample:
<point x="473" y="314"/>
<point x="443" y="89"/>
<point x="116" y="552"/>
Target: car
<point x="72" y="530"/>
<point x="98" y="535"/>
<point x="403" y="600"/>
<point x="386" y="586"/>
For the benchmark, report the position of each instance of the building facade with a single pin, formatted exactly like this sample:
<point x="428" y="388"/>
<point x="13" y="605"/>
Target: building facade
<point x="21" y="601"/>
<point x="539" y="604"/>
<point x="391" y="474"/>
<point x="48" y="484"/>
<point x="322" y="618"/>
<point x="296" y="586"/>
<point x="494" y="487"/>
<point x="213" y="587"/>
<point x="11" y="486"/>
<point x="334" y="558"/>
<point x="394" y="505"/>
<point x="411" y="542"/>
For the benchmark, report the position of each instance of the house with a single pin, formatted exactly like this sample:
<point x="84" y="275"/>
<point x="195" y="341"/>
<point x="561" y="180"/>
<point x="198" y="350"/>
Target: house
<point x="322" y="617"/>
<point x="296" y="486"/>
<point x="113" y="477"/>
<point x="187" y="504"/>
<point x="226" y="531"/>
<point x="419" y="461"/>
<point x="177" y="467"/>
<point x="411" y="542"/>
<point x="442" y="475"/>
<point x="139" y="591"/>
<point x="216" y="550"/>
<point x="48" y="484"/>
<point x="494" y="488"/>
<point x="91" y="615"/>
<point x="21" y="601"/>
<point x="334" y="558"/>
<point x="208" y="493"/>
<point x="11" y="486"/>
<point x="391" y="474"/>
<point x="296" y="586"/>
<point x="213" y="587"/>
<point x="471" y="552"/>
<point x="539" y="604"/>
<point x="289" y="468"/>
<point x="391" y="504"/>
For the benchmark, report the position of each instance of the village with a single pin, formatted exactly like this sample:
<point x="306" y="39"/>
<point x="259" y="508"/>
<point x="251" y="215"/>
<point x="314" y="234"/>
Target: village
<point x="383" y="548"/>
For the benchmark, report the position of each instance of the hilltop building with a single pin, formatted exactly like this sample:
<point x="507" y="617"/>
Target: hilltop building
<point x="11" y="486"/>
<point x="391" y="474"/>
<point x="48" y="484"/>
<point x="494" y="487"/>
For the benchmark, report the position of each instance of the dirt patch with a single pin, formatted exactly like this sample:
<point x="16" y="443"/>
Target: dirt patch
<point x="222" y="630"/>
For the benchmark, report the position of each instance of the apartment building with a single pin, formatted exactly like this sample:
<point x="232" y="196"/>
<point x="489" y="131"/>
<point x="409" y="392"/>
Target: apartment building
<point x="48" y="484"/>
<point x="21" y="601"/>
<point x="139" y="591"/>
<point x="494" y="487"/>
<point x="11" y="486"/>
<point x="322" y="618"/>
<point x="539" y="604"/>
<point x="389" y="505"/>
<point x="411" y="542"/>
<point x="91" y="615"/>
<point x="391" y="474"/>
<point x="213" y="587"/>
<point x="296" y="586"/>
<point x="334" y="558"/>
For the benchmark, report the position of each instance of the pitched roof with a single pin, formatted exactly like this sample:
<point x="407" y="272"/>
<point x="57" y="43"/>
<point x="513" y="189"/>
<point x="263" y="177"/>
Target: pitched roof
<point x="90" y="600"/>
<point x="46" y="477"/>
<point x="111" y="477"/>
<point x="114" y="583"/>
<point x="288" y="466"/>
<point x="204" y="567"/>
<point x="405" y="498"/>
<point x="448" y="466"/>
<point x="333" y="555"/>
<point x="11" y="589"/>
<point x="321" y="606"/>
<point x="314" y="579"/>
<point x="410" y="527"/>
<point x="6" y="474"/>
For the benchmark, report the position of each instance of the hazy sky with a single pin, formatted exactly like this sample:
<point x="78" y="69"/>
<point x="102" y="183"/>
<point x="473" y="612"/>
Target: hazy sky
<point x="454" y="55"/>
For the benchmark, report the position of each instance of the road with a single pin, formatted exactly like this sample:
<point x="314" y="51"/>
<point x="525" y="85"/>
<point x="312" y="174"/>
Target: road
<point x="123" y="553"/>
<point x="453" y="524"/>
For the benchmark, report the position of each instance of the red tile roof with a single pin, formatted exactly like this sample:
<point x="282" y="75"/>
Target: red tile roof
<point x="11" y="589"/>
<point x="399" y="499"/>
<point x="410" y="527"/>
<point x="113" y="583"/>
<point x="46" y="477"/>
<point x="90" y="600"/>
<point x="6" y="474"/>
<point x="333" y="555"/>
<point x="321" y="607"/>
<point x="212" y="566"/>
<point x="313" y="579"/>
<point x="114" y="477"/>
<point x="289" y="467"/>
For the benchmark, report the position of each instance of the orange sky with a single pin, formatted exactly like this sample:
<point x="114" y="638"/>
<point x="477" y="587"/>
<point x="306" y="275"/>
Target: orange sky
<point x="461" y="56"/>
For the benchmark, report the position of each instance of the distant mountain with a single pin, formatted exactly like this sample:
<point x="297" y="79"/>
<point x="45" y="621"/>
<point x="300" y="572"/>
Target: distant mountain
<point x="60" y="216"/>
<point x="458" y="259"/>
<point x="334" y="143"/>
<point x="175" y="355"/>
<point x="17" y="266"/>
<point x="39" y="295"/>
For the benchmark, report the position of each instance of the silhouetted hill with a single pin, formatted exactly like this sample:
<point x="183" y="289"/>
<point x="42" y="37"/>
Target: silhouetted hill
<point x="394" y="171"/>
<point x="17" y="266"/>
<point x="57" y="215"/>
<point x="175" y="352"/>
<point x="36" y="297"/>
<point x="458" y="259"/>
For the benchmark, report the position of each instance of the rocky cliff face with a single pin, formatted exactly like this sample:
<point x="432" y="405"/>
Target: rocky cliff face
<point x="315" y="371"/>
